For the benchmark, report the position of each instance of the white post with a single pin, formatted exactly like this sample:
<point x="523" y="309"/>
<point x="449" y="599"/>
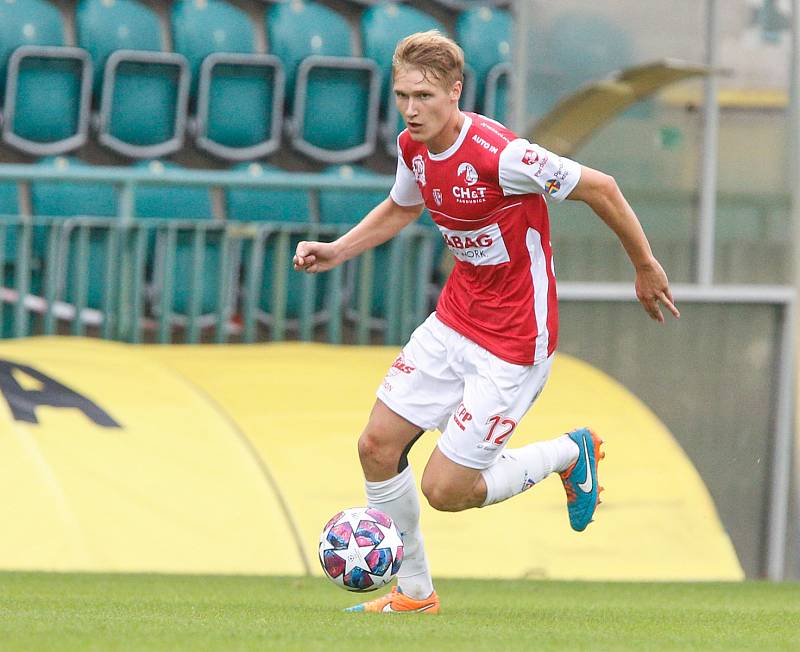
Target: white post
<point x="794" y="172"/>
<point x="522" y="12"/>
<point x="708" y="190"/>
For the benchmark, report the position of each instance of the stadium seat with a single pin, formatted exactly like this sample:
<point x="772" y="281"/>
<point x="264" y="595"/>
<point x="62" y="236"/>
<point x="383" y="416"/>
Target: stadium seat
<point x="9" y="210"/>
<point x="179" y="206"/>
<point x="382" y="26"/>
<point x="348" y="207"/>
<point x="229" y="79"/>
<point x="267" y="205"/>
<point x="81" y="274"/>
<point x="334" y="96"/>
<point x="485" y="35"/>
<point x="143" y="91"/>
<point x="45" y="87"/>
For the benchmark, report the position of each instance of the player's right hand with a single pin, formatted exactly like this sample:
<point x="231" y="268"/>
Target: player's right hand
<point x="315" y="257"/>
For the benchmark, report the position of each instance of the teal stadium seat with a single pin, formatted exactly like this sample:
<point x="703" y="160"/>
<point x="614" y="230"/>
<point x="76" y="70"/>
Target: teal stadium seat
<point x="334" y="96"/>
<point x="80" y="280"/>
<point x="143" y="90"/>
<point x="46" y="87"/>
<point x="348" y="207"/>
<point x="485" y="36"/>
<point x="382" y="26"/>
<point x="9" y="210"/>
<point x="237" y="92"/>
<point x="181" y="207"/>
<point x="291" y="206"/>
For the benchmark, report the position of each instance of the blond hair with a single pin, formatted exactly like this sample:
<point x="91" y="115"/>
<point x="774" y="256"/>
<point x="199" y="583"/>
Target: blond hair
<point x="433" y="54"/>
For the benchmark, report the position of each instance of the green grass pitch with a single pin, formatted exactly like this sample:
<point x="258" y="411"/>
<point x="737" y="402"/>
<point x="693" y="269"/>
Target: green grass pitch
<point x="65" y="612"/>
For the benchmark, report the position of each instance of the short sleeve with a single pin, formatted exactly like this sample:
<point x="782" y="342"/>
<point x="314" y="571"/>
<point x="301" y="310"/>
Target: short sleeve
<point x="405" y="191"/>
<point x="527" y="168"/>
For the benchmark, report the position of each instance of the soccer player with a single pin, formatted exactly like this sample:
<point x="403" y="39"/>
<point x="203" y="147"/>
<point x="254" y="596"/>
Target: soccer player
<point x="476" y="365"/>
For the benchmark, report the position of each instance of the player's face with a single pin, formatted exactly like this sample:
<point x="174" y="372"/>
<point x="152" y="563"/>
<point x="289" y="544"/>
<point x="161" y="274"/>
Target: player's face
<point x="427" y="108"/>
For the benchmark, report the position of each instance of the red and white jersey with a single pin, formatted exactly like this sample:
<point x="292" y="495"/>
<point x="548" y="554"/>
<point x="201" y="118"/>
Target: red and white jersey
<point x="486" y="194"/>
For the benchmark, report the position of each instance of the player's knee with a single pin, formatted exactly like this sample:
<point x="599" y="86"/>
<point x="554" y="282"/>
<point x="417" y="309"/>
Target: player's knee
<point x="374" y="453"/>
<point x="440" y="497"/>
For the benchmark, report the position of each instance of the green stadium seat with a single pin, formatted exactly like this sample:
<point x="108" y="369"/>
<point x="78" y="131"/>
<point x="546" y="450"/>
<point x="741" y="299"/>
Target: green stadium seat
<point x="9" y="214"/>
<point x="69" y="199"/>
<point x="291" y="206"/>
<point x="9" y="211"/>
<point x="266" y="204"/>
<point x="334" y="96"/>
<point x="348" y="207"/>
<point x="27" y="22"/>
<point x="485" y="36"/>
<point x="45" y="87"/>
<point x="229" y="79"/>
<point x="180" y="207"/>
<point x="382" y="26"/>
<point x="143" y="91"/>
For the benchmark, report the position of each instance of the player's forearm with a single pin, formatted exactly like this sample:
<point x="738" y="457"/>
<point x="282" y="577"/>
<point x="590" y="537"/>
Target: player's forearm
<point x="619" y="216"/>
<point x="604" y="197"/>
<point x="382" y="223"/>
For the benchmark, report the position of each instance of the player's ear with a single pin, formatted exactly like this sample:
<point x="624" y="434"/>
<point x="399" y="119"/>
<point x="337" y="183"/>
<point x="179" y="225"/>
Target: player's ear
<point x="455" y="92"/>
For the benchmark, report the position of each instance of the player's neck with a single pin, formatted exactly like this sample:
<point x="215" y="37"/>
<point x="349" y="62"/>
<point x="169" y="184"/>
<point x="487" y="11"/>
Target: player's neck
<point x="448" y="135"/>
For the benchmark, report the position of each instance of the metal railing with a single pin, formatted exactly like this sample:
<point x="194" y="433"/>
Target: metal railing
<point x="153" y="280"/>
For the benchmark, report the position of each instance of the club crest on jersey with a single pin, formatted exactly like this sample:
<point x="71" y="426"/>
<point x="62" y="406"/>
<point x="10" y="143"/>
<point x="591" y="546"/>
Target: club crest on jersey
<point x="530" y="157"/>
<point x="437" y="196"/>
<point x="469" y="172"/>
<point x="418" y="167"/>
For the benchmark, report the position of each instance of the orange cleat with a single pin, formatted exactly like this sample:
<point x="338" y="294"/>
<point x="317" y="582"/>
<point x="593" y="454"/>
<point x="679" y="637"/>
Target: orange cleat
<point x="397" y="603"/>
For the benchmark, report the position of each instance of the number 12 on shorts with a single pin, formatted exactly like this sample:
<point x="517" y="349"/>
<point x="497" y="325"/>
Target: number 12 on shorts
<point x="500" y="429"/>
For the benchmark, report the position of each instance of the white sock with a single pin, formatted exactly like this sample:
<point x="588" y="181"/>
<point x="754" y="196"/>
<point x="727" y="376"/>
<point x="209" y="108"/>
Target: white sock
<point x="518" y="469"/>
<point x="398" y="497"/>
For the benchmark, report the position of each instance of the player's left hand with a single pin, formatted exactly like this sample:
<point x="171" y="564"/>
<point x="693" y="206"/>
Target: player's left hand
<point x="652" y="288"/>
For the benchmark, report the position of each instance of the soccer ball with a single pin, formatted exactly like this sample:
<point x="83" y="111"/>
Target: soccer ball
<point x="360" y="549"/>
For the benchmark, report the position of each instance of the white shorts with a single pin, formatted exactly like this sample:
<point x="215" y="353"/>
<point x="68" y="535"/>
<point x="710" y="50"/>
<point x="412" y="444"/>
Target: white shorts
<point x="443" y="380"/>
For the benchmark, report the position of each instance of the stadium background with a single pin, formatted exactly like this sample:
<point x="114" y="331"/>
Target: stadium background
<point x="712" y="379"/>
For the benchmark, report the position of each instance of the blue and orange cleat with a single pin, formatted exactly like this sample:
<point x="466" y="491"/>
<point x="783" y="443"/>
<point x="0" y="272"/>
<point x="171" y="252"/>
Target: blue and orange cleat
<point x="395" y="602"/>
<point x="580" y="480"/>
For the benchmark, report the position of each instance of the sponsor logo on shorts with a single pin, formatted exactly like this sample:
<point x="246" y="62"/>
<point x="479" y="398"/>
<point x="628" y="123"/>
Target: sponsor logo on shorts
<point x="400" y="366"/>
<point x="461" y="416"/>
<point x="480" y="247"/>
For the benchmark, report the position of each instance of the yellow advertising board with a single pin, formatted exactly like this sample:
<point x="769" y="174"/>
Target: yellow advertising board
<point x="230" y="459"/>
